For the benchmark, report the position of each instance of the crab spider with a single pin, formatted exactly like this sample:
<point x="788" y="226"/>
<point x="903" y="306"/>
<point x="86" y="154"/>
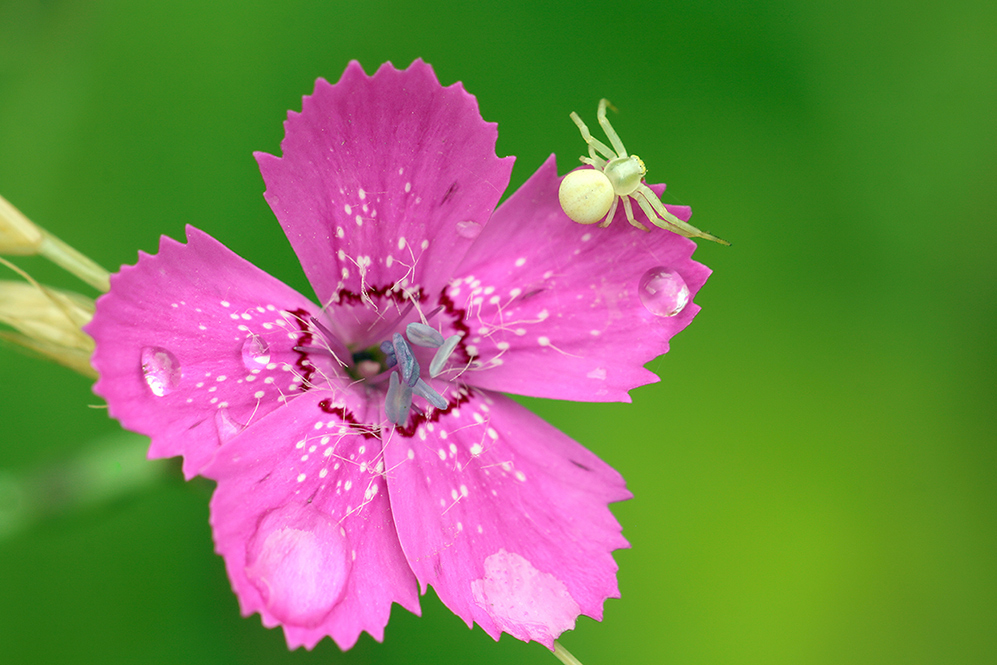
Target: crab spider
<point x="588" y="195"/>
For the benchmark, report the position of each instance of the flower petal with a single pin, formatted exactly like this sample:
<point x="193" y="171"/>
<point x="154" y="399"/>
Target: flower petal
<point x="194" y="343"/>
<point x="553" y="306"/>
<point x="380" y="177"/>
<point x="302" y="518"/>
<point x="506" y="517"/>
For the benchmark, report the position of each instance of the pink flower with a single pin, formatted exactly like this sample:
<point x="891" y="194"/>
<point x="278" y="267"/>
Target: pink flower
<point x="360" y="458"/>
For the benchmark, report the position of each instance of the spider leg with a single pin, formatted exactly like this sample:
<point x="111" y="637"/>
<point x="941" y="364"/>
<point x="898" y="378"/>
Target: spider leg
<point x="646" y="206"/>
<point x="598" y="162"/>
<point x="630" y="212"/>
<point x="612" y="211"/>
<point x="656" y="212"/>
<point x="593" y="143"/>
<point x="611" y="134"/>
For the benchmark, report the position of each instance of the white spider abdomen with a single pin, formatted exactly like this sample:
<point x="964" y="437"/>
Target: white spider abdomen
<point x="586" y="195"/>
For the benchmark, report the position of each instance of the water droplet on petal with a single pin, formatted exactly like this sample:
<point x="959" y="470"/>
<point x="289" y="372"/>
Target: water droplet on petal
<point x="299" y="560"/>
<point x="161" y="370"/>
<point x="663" y="292"/>
<point x="469" y="230"/>
<point x="255" y="352"/>
<point x="226" y="425"/>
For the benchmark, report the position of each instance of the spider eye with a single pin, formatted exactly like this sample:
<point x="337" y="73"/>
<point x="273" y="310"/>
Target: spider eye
<point x="586" y="195"/>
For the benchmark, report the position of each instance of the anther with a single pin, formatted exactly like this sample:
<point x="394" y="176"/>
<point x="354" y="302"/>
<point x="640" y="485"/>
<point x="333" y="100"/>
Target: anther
<point x="398" y="400"/>
<point x="442" y="355"/>
<point x="406" y="359"/>
<point x="422" y="335"/>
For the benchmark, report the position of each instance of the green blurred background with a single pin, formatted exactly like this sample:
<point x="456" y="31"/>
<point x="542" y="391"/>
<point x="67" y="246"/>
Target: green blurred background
<point x="815" y="474"/>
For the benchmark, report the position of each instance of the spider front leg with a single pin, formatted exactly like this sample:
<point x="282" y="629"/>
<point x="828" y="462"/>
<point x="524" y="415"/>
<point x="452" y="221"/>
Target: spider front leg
<point x="594" y="144"/>
<point x="611" y="134"/>
<point x="656" y="212"/>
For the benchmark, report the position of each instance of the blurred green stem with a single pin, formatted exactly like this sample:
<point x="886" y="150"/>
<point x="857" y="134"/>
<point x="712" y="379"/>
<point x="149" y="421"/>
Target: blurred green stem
<point x="20" y="236"/>
<point x="109" y="470"/>
<point x="564" y="655"/>
<point x="71" y="260"/>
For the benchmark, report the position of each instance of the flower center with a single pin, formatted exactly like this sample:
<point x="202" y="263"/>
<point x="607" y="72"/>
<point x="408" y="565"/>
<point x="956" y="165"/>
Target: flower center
<point x="390" y="369"/>
<point x="399" y="354"/>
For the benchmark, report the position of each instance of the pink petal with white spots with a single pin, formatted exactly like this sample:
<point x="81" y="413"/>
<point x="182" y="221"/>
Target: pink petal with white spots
<point x="553" y="306"/>
<point x="384" y="182"/>
<point x="506" y="518"/>
<point x="194" y="343"/>
<point x="302" y="518"/>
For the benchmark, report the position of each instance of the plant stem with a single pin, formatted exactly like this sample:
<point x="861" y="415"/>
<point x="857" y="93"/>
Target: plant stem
<point x="564" y="655"/>
<point x="71" y="260"/>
